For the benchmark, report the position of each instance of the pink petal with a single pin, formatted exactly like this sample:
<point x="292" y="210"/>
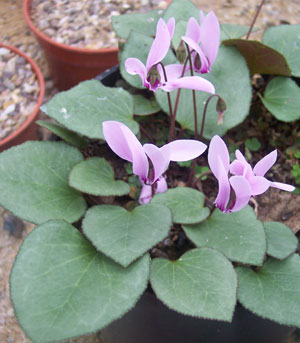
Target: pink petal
<point x="265" y="163"/>
<point x="224" y="186"/>
<point x="161" y="185"/>
<point x="239" y="156"/>
<point x="173" y="71"/>
<point x="210" y="37"/>
<point x="160" y="45"/>
<point x="241" y="166"/>
<point x="183" y="149"/>
<point x="217" y="148"/>
<point x="202" y="17"/>
<point x="159" y="160"/>
<point x="194" y="46"/>
<point x="283" y="186"/>
<point x="171" y="26"/>
<point x="124" y="143"/>
<point x="242" y="191"/>
<point x="193" y="30"/>
<point x="135" y="67"/>
<point x="237" y="167"/>
<point x="259" y="185"/>
<point x="190" y="82"/>
<point x="146" y="194"/>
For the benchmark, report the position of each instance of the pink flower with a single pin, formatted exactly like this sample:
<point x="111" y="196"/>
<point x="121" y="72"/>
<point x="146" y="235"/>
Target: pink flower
<point x="245" y="182"/>
<point x="152" y="74"/>
<point x="204" y="40"/>
<point x="124" y="143"/>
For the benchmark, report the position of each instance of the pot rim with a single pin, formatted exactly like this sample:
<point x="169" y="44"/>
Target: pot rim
<point x="44" y="37"/>
<point x="40" y="98"/>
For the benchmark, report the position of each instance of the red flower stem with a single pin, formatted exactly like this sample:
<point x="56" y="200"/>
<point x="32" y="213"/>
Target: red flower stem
<point x="255" y="17"/>
<point x="168" y="94"/>
<point x="173" y="118"/>
<point x="204" y="113"/>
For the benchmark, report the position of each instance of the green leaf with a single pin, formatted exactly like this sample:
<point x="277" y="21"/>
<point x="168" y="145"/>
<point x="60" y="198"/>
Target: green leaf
<point x="282" y="99"/>
<point x="273" y="292"/>
<point x="252" y="144"/>
<point x="202" y="283"/>
<point x="138" y="46"/>
<point x="239" y="235"/>
<point x="144" y="106"/>
<point x="185" y="203"/>
<point x="96" y="176"/>
<point x="85" y="107"/>
<point x="141" y="22"/>
<point x="229" y="69"/>
<point x="180" y="30"/>
<point x="34" y="182"/>
<point x="181" y="10"/>
<point x="286" y="40"/>
<point x="69" y="136"/>
<point x="124" y="236"/>
<point x="281" y="240"/>
<point x="261" y="59"/>
<point x="231" y="31"/>
<point x="62" y="287"/>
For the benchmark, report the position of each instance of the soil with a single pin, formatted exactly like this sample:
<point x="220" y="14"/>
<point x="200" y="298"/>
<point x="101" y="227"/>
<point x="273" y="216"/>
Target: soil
<point x="274" y="205"/>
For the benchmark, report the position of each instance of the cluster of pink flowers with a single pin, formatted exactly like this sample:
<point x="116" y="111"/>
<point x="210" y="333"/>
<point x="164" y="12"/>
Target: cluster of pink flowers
<point x="202" y="41"/>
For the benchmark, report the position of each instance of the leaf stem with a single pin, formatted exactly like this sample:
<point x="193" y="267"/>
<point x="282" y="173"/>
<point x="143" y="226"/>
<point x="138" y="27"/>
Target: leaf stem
<point x="254" y="19"/>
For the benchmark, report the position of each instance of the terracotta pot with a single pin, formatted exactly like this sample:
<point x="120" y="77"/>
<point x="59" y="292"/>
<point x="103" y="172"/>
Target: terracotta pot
<point x="27" y="131"/>
<point x="70" y="65"/>
<point x="150" y="321"/>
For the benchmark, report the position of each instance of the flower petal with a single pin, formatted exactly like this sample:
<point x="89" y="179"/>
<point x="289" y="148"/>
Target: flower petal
<point x="217" y="148"/>
<point x="265" y="163"/>
<point x="171" y="26"/>
<point x="124" y="143"/>
<point x="159" y="160"/>
<point x="210" y="37"/>
<point x="135" y="67"/>
<point x="204" y="62"/>
<point x="259" y="185"/>
<point x="202" y="17"/>
<point x="242" y="191"/>
<point x="146" y="194"/>
<point x="160" y="45"/>
<point x="173" y="71"/>
<point x="237" y="167"/>
<point x="193" y="30"/>
<point x="239" y="156"/>
<point x="224" y="186"/>
<point x="190" y="82"/>
<point x="161" y="185"/>
<point x="283" y="186"/>
<point x="183" y="149"/>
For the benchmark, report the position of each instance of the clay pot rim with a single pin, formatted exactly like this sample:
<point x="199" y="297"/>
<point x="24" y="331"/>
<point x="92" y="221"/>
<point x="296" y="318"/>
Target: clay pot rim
<point x="41" y="35"/>
<point x="35" y="111"/>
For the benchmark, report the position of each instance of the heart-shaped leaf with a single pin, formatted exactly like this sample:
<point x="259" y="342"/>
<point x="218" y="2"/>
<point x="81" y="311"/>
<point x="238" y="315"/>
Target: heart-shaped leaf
<point x="141" y="22"/>
<point x="239" y="235"/>
<point x="96" y="176"/>
<point x="202" y="283"/>
<point x="282" y="99"/>
<point x="69" y="136"/>
<point x="124" y="236"/>
<point x="261" y="59"/>
<point x="144" y="106"/>
<point x="285" y="39"/>
<point x="181" y="10"/>
<point x="185" y="203"/>
<point x="34" y="182"/>
<point x="231" y="31"/>
<point x="229" y="69"/>
<point x="62" y="287"/>
<point x="281" y="240"/>
<point x="83" y="108"/>
<point x="138" y="46"/>
<point x="273" y="292"/>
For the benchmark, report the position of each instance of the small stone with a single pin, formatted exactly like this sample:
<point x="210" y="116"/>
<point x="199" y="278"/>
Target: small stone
<point x="13" y="225"/>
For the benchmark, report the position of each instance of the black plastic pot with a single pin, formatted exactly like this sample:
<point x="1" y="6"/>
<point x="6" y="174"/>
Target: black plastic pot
<point x="150" y="321"/>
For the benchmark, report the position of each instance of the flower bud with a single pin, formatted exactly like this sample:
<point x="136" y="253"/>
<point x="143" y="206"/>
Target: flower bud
<point x="221" y="108"/>
<point x="197" y="62"/>
<point x="153" y="76"/>
<point x="181" y="53"/>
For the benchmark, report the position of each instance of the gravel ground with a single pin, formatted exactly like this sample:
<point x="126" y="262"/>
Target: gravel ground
<point x="13" y="30"/>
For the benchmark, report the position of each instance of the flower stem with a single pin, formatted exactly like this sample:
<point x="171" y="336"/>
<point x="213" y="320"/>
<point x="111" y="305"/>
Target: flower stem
<point x="254" y="19"/>
<point x="173" y="117"/>
<point x="168" y="94"/>
<point x="204" y="113"/>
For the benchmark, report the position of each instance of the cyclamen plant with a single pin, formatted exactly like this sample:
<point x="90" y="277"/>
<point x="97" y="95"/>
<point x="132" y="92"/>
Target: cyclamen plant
<point x="116" y="172"/>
